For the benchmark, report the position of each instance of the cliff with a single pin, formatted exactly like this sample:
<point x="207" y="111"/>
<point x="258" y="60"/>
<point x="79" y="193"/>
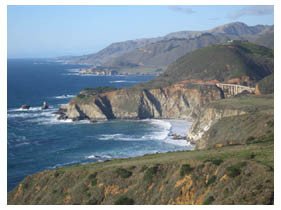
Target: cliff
<point x="232" y="121"/>
<point x="180" y="101"/>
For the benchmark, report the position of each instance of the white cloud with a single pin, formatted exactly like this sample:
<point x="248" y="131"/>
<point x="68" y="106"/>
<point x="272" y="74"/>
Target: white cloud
<point x="252" y="11"/>
<point x="182" y="9"/>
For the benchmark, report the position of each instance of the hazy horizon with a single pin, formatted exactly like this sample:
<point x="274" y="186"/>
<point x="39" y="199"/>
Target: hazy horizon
<point x="54" y="31"/>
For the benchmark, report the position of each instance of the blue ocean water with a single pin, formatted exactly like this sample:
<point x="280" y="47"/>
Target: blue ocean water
<point x="38" y="141"/>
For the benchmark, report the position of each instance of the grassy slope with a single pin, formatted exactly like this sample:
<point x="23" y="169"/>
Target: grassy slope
<point x="266" y="85"/>
<point x="218" y="62"/>
<point x="101" y="183"/>
<point x="266" y="40"/>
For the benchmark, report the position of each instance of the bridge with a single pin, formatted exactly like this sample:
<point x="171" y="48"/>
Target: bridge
<point x="232" y="90"/>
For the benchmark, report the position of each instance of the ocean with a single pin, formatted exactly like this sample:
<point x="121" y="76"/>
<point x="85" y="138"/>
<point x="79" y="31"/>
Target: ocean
<point x="38" y="141"/>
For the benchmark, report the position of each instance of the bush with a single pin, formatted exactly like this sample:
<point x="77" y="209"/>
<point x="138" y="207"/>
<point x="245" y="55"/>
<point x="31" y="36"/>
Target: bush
<point x="215" y="161"/>
<point x="185" y="169"/>
<point x="211" y="180"/>
<point x="124" y="201"/>
<point x="149" y="173"/>
<point x="93" y="201"/>
<point x="209" y="200"/>
<point x="143" y="168"/>
<point x="94" y="182"/>
<point x="235" y="170"/>
<point x="123" y="173"/>
<point x="92" y="176"/>
<point x="57" y="174"/>
<point x="132" y="167"/>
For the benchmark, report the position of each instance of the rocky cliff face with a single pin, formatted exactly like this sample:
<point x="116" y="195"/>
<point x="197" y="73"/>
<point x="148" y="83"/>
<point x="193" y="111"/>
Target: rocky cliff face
<point x="178" y="101"/>
<point x="232" y="121"/>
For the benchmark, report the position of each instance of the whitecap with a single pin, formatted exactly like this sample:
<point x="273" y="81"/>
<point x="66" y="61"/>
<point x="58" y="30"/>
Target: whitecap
<point x="64" y="96"/>
<point x="121" y="81"/>
<point x="99" y="157"/>
<point x="64" y="164"/>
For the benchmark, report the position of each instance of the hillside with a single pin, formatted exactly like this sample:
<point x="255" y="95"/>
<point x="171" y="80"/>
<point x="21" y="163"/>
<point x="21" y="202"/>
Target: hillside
<point x="164" y="52"/>
<point x="237" y="62"/>
<point x="228" y="170"/>
<point x="164" y="49"/>
<point x="266" y="40"/>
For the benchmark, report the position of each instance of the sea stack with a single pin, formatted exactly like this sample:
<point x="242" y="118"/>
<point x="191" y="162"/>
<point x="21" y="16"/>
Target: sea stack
<point x="45" y="105"/>
<point x="25" y="106"/>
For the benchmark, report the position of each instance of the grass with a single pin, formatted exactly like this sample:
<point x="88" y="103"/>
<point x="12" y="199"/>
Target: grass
<point x="245" y="103"/>
<point x="87" y="95"/>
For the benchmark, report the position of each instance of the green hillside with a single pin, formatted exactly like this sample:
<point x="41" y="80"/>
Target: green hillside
<point x="220" y="62"/>
<point x="266" y="85"/>
<point x="266" y="40"/>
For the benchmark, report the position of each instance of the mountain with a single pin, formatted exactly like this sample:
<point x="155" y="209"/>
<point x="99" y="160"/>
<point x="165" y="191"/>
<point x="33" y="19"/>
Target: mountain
<point x="266" y="40"/>
<point x="239" y="62"/>
<point x="161" y="51"/>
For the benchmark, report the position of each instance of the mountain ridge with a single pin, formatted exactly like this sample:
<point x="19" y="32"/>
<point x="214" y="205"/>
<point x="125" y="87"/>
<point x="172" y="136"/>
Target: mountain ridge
<point x="115" y="50"/>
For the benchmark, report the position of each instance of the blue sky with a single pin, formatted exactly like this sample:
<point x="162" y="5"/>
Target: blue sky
<point x="48" y="31"/>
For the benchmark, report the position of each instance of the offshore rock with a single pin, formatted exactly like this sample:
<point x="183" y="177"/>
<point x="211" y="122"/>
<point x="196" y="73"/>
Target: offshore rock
<point x="25" y="106"/>
<point x="45" y="105"/>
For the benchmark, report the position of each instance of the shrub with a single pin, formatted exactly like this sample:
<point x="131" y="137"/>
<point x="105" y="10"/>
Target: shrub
<point x="92" y="176"/>
<point x="132" y="167"/>
<point x="93" y="201"/>
<point x="56" y="174"/>
<point x="149" y="173"/>
<point x="143" y="168"/>
<point x="211" y="180"/>
<point x="185" y="169"/>
<point x="270" y="123"/>
<point x="215" y="161"/>
<point x="124" y="201"/>
<point x="123" y="173"/>
<point x="94" y="182"/>
<point x="209" y="200"/>
<point x="235" y="170"/>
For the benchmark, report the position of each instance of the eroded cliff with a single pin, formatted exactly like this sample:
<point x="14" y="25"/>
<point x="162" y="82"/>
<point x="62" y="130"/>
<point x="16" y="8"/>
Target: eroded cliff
<point x="181" y="101"/>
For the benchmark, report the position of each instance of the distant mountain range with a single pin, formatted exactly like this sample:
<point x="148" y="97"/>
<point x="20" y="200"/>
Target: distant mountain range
<point x="161" y="51"/>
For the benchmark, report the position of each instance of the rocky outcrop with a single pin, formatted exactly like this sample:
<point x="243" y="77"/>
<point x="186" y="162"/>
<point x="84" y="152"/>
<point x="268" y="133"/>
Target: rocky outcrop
<point x="45" y="105"/>
<point x="25" y="106"/>
<point x="207" y="117"/>
<point x="233" y="109"/>
<point x="177" y="101"/>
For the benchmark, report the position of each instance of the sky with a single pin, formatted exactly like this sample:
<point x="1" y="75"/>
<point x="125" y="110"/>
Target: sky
<point x="50" y="31"/>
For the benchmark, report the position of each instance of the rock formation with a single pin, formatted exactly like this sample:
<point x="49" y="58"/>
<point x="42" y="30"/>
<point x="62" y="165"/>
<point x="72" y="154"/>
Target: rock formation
<point x="25" y="106"/>
<point x="177" y="101"/>
<point x="45" y="105"/>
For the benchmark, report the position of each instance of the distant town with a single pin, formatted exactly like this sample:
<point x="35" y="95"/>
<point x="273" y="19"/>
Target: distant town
<point x="99" y="70"/>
